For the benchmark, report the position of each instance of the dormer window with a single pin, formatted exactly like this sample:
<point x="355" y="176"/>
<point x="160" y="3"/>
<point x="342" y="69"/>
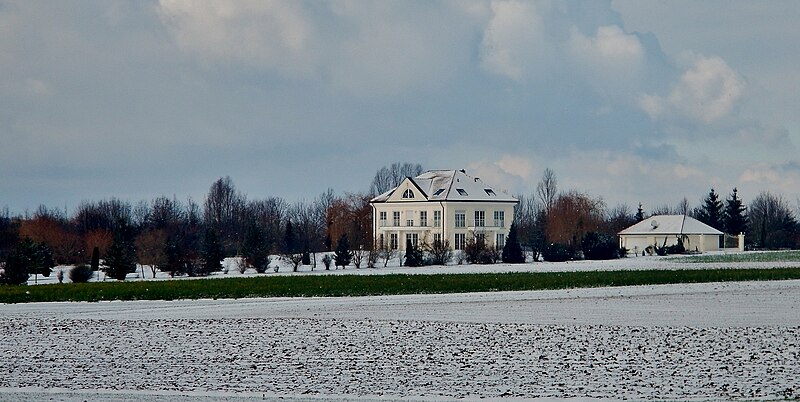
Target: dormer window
<point x="461" y="191"/>
<point x="489" y="191"/>
<point x="408" y="194"/>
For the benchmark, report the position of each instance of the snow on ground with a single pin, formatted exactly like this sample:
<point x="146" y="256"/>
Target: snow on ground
<point x="394" y="267"/>
<point x="695" y="341"/>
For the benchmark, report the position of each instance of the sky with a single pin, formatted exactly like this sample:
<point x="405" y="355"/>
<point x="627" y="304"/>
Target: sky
<point x="631" y="100"/>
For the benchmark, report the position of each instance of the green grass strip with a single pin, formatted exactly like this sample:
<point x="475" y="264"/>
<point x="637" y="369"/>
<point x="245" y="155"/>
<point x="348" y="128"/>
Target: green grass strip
<point x="365" y="285"/>
<point x="777" y="256"/>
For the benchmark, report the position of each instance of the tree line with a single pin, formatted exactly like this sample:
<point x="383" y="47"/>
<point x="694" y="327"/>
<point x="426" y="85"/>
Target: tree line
<point x="559" y="225"/>
<point x="189" y="238"/>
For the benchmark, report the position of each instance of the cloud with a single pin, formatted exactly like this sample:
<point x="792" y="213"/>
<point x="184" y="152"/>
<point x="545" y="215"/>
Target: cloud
<point x="510" y="174"/>
<point x="609" y="48"/>
<point x="514" y="41"/>
<point x="784" y="177"/>
<point x="516" y="165"/>
<point x="706" y="92"/>
<point x="267" y="34"/>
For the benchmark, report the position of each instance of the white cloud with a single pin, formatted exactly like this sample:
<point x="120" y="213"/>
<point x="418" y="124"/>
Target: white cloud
<point x="267" y="34"/>
<point x="706" y="92"/>
<point x="513" y="41"/>
<point x="509" y="174"/>
<point x="783" y="177"/>
<point x="611" y="60"/>
<point x="609" y="46"/>
<point x="516" y="165"/>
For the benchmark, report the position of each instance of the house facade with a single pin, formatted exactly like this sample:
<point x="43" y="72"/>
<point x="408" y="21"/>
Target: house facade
<point x="663" y="230"/>
<point x="445" y="205"/>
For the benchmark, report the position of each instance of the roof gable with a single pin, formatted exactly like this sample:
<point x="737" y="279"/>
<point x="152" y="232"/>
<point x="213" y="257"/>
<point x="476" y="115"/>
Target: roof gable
<point x="407" y="191"/>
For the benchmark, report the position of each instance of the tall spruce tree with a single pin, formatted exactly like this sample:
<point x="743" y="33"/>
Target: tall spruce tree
<point x="120" y="257"/>
<point x="414" y="257"/>
<point x="512" y="251"/>
<point x="212" y="253"/>
<point x="28" y="257"/>
<point x="711" y="212"/>
<point x="343" y="255"/>
<point x="639" y="213"/>
<point x="255" y="248"/>
<point x="735" y="219"/>
<point x="289" y="238"/>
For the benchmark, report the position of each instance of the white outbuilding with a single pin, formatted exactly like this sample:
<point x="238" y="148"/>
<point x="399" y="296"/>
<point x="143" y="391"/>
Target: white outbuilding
<point x="663" y="230"/>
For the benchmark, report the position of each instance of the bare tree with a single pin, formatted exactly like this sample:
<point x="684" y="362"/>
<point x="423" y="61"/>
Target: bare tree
<point x="572" y="215"/>
<point x="683" y="207"/>
<point x="223" y="209"/>
<point x="150" y="249"/>
<point x="547" y="189"/>
<point x="772" y="222"/>
<point x="387" y="178"/>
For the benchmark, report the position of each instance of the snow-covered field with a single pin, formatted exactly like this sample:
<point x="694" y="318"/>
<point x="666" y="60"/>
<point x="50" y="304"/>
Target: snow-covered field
<point x="697" y="341"/>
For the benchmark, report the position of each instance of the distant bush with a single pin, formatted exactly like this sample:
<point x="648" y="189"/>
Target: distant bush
<point x="80" y="273"/>
<point x="414" y="257"/>
<point x="440" y="253"/>
<point x="558" y="252"/>
<point x="599" y="246"/>
<point x="677" y="248"/>
<point x="477" y="252"/>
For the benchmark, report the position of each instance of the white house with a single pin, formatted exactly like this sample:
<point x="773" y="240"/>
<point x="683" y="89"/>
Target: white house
<point x="446" y="205"/>
<point x="656" y="230"/>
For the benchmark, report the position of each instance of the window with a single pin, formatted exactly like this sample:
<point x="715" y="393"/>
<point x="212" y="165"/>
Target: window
<point x="461" y="217"/>
<point x="461" y="191"/>
<point x="382" y="218"/>
<point x="423" y="218"/>
<point x="409" y="218"/>
<point x="480" y="218"/>
<point x="412" y="238"/>
<point x="408" y="194"/>
<point x="393" y="241"/>
<point x="437" y="237"/>
<point x="461" y="241"/>
<point x="439" y="191"/>
<point x="380" y="241"/>
<point x="396" y="218"/>
<point x="437" y="219"/>
<point x="489" y="191"/>
<point x="499" y="218"/>
<point x="501" y="240"/>
<point x="480" y="238"/>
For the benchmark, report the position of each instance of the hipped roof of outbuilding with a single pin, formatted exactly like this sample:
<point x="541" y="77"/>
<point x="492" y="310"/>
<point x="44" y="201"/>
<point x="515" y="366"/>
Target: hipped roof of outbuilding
<point x="670" y="225"/>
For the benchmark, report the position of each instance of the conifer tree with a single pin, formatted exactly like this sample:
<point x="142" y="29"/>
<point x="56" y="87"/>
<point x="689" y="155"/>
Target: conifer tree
<point x="512" y="251"/>
<point x="735" y="218"/>
<point x="289" y="241"/>
<point x="120" y="257"/>
<point x="212" y="253"/>
<point x="95" y="263"/>
<point x="256" y="249"/>
<point x="711" y="211"/>
<point x="639" y="213"/>
<point x="27" y="257"/>
<point x="413" y="255"/>
<point x="343" y="255"/>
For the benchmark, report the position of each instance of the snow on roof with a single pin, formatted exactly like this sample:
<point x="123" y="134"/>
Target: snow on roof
<point x="452" y="185"/>
<point x="670" y="225"/>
